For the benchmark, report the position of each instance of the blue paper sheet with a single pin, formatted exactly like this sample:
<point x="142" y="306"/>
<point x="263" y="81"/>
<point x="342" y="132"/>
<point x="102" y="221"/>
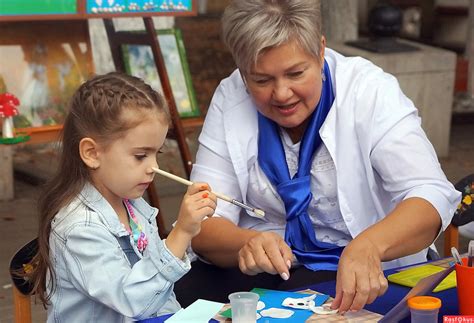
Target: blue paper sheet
<point x="274" y="298"/>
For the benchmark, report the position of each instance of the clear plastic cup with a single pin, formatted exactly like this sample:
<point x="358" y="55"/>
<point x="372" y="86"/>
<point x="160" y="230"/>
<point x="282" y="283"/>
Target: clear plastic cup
<point x="244" y="307"/>
<point x="424" y="309"/>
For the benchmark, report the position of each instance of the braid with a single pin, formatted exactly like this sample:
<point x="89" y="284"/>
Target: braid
<point x="150" y="90"/>
<point x="101" y="100"/>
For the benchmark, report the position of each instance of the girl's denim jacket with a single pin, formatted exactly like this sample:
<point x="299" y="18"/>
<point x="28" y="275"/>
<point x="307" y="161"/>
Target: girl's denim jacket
<point x="95" y="281"/>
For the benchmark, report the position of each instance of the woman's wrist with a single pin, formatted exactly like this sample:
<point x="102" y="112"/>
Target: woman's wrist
<point x="368" y="242"/>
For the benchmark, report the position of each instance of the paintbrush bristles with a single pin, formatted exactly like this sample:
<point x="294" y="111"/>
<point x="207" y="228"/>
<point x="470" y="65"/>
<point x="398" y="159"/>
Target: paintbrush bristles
<point x="260" y="213"/>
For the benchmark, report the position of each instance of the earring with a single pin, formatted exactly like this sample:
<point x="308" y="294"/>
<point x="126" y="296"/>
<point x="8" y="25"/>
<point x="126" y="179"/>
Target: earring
<point x="323" y="76"/>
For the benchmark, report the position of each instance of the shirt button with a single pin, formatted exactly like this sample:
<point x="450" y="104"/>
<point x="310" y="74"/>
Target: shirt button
<point x="349" y="218"/>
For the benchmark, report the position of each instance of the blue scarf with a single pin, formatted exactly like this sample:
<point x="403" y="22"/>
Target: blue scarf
<point x="296" y="192"/>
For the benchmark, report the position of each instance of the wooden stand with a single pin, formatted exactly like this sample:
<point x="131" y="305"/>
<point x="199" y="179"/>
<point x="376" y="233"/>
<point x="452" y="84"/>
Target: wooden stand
<point x="451" y="239"/>
<point x="6" y="173"/>
<point x="22" y="305"/>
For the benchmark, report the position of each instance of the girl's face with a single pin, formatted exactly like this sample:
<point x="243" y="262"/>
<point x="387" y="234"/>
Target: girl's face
<point x="125" y="165"/>
<point x="285" y="85"/>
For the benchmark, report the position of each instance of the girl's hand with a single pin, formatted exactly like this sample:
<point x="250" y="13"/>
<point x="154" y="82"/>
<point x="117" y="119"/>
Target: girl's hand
<point x="266" y="252"/>
<point x="198" y="202"/>
<point x="360" y="278"/>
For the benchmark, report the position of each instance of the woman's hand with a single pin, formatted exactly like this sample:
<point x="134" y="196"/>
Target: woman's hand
<point x="266" y="252"/>
<point x="360" y="279"/>
<point x="198" y="202"/>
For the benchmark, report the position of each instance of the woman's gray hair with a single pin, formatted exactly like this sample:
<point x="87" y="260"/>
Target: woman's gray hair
<point x="252" y="26"/>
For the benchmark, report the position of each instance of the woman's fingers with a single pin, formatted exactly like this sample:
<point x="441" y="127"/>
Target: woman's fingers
<point x="287" y="253"/>
<point x="247" y="264"/>
<point x="263" y="253"/>
<point x="360" y="278"/>
<point x="383" y="283"/>
<point x="345" y="290"/>
<point x="274" y="262"/>
<point x="255" y="259"/>
<point x="364" y="289"/>
<point x="362" y="292"/>
<point x="336" y="303"/>
<point x="374" y="287"/>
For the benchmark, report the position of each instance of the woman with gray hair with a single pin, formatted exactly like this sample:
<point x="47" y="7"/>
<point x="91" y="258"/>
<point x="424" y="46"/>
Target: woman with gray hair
<point x="329" y="147"/>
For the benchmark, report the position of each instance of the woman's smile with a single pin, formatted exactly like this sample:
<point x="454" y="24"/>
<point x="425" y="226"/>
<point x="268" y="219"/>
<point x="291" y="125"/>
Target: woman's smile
<point x="287" y="109"/>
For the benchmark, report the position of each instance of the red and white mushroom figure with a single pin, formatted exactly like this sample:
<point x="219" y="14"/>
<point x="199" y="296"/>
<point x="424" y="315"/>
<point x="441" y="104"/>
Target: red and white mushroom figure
<point x="8" y="104"/>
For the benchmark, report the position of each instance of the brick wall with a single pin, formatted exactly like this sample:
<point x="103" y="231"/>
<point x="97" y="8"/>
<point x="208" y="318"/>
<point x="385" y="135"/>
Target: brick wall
<point x="208" y="58"/>
<point x="216" y="6"/>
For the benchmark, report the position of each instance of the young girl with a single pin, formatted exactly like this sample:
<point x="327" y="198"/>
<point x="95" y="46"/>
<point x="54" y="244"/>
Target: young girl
<point x="100" y="258"/>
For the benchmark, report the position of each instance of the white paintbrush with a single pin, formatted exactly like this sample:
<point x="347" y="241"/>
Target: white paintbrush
<point x="259" y="213"/>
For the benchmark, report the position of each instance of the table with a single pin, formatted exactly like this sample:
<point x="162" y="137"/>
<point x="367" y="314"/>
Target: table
<point x="163" y="318"/>
<point x="381" y="305"/>
<point x="395" y="293"/>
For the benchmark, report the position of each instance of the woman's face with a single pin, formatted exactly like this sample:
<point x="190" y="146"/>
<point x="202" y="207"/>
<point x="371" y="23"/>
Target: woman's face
<point x="285" y="84"/>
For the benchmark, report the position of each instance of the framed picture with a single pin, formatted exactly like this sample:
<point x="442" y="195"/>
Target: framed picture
<point x="43" y="69"/>
<point x="29" y="10"/>
<point x="137" y="6"/>
<point x="38" y="7"/>
<point x="139" y="62"/>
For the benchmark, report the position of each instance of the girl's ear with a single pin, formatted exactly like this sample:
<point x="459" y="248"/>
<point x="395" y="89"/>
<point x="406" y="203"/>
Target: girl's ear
<point x="89" y="152"/>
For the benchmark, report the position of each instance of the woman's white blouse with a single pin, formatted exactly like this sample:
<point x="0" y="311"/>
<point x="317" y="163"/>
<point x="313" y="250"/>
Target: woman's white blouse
<point x="372" y="134"/>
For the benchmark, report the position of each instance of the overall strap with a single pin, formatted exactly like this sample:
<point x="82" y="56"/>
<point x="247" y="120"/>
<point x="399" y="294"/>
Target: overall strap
<point x="128" y="249"/>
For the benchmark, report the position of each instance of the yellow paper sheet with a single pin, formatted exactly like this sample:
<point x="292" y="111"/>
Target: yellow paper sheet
<point x="410" y="277"/>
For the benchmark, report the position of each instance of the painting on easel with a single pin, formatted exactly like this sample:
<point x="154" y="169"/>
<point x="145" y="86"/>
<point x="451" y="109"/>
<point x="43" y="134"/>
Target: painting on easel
<point x="44" y="68"/>
<point x="139" y="62"/>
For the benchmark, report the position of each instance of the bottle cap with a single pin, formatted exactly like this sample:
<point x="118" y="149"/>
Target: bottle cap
<point x="424" y="303"/>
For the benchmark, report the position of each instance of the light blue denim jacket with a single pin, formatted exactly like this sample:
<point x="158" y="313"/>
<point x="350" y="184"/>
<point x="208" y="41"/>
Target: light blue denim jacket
<point x="94" y="279"/>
